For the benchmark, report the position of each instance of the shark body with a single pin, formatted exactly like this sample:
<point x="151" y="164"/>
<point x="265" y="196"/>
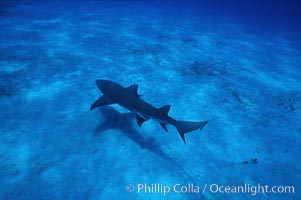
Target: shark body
<point x="128" y="97"/>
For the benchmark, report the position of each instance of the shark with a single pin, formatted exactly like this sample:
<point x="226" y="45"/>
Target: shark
<point x="128" y="98"/>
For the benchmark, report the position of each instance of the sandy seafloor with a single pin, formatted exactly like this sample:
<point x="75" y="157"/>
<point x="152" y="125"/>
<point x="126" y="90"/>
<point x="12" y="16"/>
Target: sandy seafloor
<point x="245" y="81"/>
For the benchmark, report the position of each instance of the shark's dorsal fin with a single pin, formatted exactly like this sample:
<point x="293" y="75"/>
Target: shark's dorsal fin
<point x="140" y="120"/>
<point x="165" y="109"/>
<point x="133" y="89"/>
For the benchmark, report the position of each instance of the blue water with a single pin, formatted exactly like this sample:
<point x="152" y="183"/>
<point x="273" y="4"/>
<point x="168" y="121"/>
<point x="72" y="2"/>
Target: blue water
<point x="236" y="65"/>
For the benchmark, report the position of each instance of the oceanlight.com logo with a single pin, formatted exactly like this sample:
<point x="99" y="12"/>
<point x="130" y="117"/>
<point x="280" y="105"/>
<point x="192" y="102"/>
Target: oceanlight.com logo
<point x="250" y="189"/>
<point x="190" y="188"/>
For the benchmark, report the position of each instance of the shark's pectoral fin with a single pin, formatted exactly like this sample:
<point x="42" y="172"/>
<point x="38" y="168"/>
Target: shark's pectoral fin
<point x="133" y="89"/>
<point x="164" y="126"/>
<point x="140" y="120"/>
<point x="101" y="101"/>
<point x="165" y="109"/>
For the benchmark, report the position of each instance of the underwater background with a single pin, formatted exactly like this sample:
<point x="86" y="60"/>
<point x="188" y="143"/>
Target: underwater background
<point x="235" y="64"/>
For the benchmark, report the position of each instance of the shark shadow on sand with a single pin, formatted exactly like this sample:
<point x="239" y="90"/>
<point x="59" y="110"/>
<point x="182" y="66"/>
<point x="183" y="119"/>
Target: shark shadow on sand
<point x="123" y="123"/>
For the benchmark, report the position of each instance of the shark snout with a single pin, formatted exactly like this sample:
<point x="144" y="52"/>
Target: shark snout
<point x="102" y="84"/>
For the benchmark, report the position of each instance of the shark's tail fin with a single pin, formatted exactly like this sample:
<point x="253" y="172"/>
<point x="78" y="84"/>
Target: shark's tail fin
<point x="186" y="127"/>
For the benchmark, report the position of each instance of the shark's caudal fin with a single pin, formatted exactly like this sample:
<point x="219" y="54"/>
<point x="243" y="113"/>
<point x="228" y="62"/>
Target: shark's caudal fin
<point x="186" y="127"/>
<point x="101" y="101"/>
